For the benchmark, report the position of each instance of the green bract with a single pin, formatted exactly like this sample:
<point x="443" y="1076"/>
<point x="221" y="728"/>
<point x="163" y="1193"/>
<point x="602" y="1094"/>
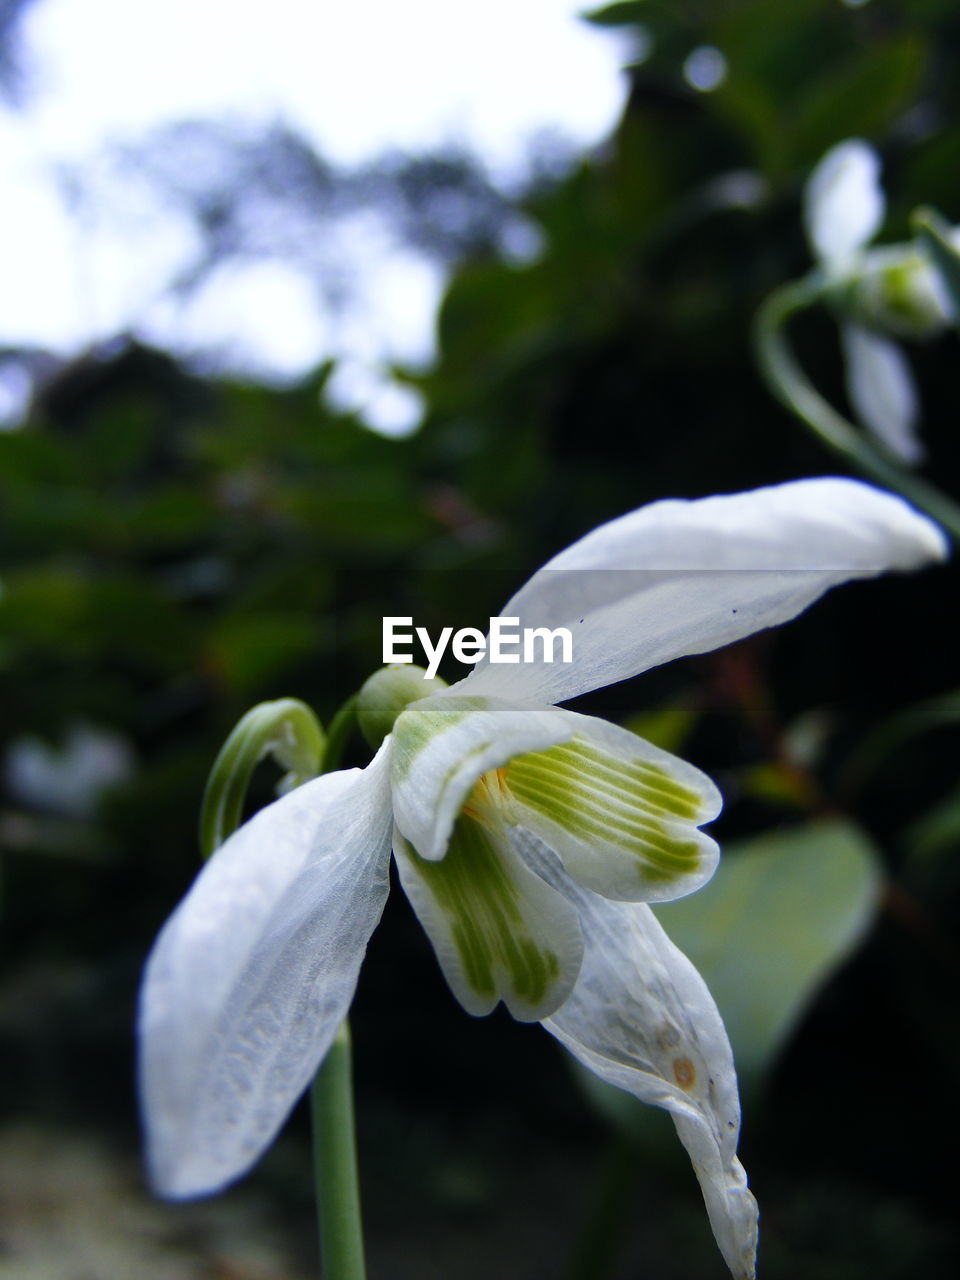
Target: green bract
<point x="896" y="291"/>
<point x="287" y="730"/>
<point x="386" y="693"/>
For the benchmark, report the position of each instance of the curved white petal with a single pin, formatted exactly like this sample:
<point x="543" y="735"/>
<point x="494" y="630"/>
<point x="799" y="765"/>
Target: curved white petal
<point x="622" y="815"/>
<point x="499" y="931"/>
<point x="882" y="391"/>
<point x="843" y="202"/>
<point x="442" y="745"/>
<point x="641" y="1018"/>
<point x="681" y="577"/>
<point x="251" y="976"/>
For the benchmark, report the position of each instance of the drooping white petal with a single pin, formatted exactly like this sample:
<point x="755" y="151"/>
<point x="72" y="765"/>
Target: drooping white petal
<point x="641" y="1018"/>
<point x="442" y="745"/>
<point x="882" y="391"/>
<point x="251" y="976"/>
<point x="499" y="931"/>
<point x="681" y="577"/>
<point x="843" y="202"/>
<point x="622" y="815"/>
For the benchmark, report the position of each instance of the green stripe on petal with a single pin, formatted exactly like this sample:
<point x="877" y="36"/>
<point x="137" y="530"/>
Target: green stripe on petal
<point x="621" y="814"/>
<point x="498" y="930"/>
<point x="418" y="731"/>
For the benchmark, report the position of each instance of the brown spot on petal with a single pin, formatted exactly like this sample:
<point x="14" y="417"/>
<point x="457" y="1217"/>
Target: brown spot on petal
<point x="684" y="1073"/>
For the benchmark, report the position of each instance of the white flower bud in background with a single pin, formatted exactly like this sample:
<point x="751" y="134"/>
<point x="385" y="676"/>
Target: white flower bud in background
<point x="876" y="294"/>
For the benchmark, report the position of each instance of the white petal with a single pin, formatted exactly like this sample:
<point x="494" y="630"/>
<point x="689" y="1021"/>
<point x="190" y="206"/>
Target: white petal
<point x="680" y="577"/>
<point x="641" y="1018"/>
<point x="499" y="931"/>
<point x="621" y="814"/>
<point x="441" y="746"/>
<point x="881" y="390"/>
<point x="843" y="202"/>
<point x="252" y="975"/>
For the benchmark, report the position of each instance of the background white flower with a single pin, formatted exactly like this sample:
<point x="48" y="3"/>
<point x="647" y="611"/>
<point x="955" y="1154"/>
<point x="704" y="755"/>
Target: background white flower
<point x="70" y="780"/>
<point x="894" y="289"/>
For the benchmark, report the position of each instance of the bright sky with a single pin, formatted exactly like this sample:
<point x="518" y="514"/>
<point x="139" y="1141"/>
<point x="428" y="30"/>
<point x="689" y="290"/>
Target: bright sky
<point x="353" y="79"/>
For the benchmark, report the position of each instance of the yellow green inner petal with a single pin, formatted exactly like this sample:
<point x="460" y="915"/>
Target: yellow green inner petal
<point x="473" y="886"/>
<point x="596" y="796"/>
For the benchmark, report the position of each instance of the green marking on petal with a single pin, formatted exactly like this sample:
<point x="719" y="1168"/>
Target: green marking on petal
<point x="413" y="732"/>
<point x="640" y="777"/>
<point x="596" y="796"/>
<point x="473" y="887"/>
<point x="662" y="852"/>
<point x="416" y="728"/>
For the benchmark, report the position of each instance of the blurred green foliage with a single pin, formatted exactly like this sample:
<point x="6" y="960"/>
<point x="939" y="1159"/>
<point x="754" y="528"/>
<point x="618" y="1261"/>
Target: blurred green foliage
<point x="175" y="547"/>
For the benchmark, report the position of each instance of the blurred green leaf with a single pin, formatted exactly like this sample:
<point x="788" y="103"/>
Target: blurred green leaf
<point x="859" y="98"/>
<point x="67" y="609"/>
<point x="666" y="727"/>
<point x="938" y="830"/>
<point x="618" y="14"/>
<point x="245" y="652"/>
<point x="891" y="735"/>
<point x="778" y="783"/>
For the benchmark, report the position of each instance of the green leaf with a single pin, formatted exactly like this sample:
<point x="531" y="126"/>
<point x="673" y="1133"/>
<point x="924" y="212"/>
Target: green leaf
<point x="69" y="609"/>
<point x="247" y="651"/>
<point x="619" y="14"/>
<point x="860" y="98"/>
<point x="781" y="914"/>
<point x="667" y="726"/>
<point x="938" y="830"/>
<point x="881" y="746"/>
<point x="778" y="784"/>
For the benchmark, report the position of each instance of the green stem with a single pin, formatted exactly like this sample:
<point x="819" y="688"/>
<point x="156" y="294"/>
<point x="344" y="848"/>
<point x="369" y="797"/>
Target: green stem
<point x="794" y="389"/>
<point x="341" y="726"/>
<point x="335" y="1164"/>
<point x="331" y="1104"/>
<point x="288" y="730"/>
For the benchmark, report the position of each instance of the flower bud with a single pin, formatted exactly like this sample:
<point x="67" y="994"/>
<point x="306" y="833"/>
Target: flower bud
<point x="896" y="291"/>
<point x="386" y="693"/>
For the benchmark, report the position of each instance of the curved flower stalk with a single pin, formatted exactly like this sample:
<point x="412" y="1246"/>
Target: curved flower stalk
<point x="893" y="290"/>
<point x="529" y="840"/>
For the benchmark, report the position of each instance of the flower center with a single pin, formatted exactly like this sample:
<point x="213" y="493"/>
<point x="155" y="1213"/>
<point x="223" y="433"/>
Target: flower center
<point x="489" y="801"/>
